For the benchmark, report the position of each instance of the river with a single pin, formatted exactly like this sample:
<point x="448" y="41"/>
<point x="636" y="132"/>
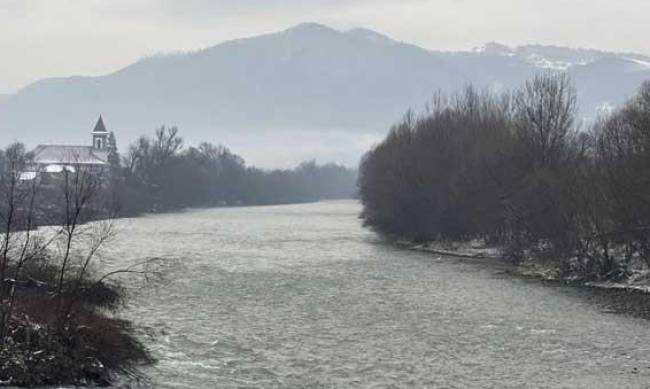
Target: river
<point x="302" y="296"/>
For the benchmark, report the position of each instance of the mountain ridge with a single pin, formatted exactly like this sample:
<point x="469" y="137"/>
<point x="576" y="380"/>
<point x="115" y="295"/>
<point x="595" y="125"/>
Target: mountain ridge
<point x="310" y="83"/>
<point x="489" y="48"/>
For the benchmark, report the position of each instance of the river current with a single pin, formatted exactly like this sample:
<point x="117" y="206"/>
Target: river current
<point x="302" y="296"/>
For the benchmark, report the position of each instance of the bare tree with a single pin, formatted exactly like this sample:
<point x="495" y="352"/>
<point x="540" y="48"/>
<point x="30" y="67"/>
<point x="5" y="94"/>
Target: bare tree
<point x="545" y="110"/>
<point x="16" y="214"/>
<point x="79" y="187"/>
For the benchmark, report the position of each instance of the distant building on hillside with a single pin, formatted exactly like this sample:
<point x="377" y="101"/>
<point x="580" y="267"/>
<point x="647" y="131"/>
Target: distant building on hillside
<point x="56" y="158"/>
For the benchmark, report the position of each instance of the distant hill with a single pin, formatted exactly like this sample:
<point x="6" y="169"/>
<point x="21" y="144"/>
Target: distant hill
<point x="307" y="92"/>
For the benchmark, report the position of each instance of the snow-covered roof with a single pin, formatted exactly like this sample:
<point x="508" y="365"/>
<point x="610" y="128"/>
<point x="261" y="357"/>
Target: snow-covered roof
<point x="69" y="155"/>
<point x="28" y="176"/>
<point x="59" y="168"/>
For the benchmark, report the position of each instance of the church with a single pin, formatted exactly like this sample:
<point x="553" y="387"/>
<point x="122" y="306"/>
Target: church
<point x="56" y="158"/>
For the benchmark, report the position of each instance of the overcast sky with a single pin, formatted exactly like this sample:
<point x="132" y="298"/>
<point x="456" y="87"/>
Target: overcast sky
<point x="45" y="38"/>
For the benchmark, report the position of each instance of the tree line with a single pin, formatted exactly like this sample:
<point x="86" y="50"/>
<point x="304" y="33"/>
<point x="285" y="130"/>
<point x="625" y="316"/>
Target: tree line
<point x="158" y="173"/>
<point x="518" y="170"/>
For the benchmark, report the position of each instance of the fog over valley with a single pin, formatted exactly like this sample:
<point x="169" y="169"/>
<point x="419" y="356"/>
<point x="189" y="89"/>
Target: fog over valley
<point x="309" y="92"/>
<point x="324" y="194"/>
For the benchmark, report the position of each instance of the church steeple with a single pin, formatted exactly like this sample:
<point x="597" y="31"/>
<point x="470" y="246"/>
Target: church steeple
<point x="100" y="135"/>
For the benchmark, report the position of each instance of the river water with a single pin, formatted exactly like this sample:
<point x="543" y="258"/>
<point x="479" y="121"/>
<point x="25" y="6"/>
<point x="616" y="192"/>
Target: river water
<point x="302" y="296"/>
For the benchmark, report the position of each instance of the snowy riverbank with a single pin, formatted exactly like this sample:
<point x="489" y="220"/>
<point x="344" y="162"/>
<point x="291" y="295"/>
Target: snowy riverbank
<point x="637" y="283"/>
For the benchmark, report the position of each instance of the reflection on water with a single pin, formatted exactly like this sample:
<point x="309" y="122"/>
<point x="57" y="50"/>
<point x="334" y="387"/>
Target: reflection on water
<point x="303" y="297"/>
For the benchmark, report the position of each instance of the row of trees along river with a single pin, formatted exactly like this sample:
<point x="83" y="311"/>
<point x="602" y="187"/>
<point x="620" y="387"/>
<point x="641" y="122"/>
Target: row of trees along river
<point x="55" y="299"/>
<point x="518" y="170"/>
<point x="157" y="173"/>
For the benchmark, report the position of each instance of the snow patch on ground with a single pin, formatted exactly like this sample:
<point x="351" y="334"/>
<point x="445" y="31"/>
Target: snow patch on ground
<point x="639" y="281"/>
<point x="545" y="63"/>
<point x="473" y="249"/>
<point x="640" y="64"/>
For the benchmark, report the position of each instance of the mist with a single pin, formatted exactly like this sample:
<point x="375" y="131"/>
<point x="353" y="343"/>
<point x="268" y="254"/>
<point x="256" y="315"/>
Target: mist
<point x="324" y="194"/>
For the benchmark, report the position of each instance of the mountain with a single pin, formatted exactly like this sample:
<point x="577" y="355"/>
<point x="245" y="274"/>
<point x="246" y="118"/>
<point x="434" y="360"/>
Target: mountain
<point x="307" y="92"/>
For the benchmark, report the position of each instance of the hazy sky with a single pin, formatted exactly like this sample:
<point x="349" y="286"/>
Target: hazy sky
<point x="44" y="38"/>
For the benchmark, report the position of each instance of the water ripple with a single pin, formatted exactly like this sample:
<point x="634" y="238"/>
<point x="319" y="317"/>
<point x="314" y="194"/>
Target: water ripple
<point x="303" y="297"/>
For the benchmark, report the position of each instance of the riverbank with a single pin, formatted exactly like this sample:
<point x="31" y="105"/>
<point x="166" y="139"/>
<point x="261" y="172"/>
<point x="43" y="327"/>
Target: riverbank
<point x="628" y="295"/>
<point x="70" y="338"/>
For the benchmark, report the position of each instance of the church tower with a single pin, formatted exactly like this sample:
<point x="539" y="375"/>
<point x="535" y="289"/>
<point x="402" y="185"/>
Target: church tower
<point x="100" y="135"/>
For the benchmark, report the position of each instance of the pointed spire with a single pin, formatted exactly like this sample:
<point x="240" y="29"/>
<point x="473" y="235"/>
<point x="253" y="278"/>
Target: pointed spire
<point x="100" y="127"/>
